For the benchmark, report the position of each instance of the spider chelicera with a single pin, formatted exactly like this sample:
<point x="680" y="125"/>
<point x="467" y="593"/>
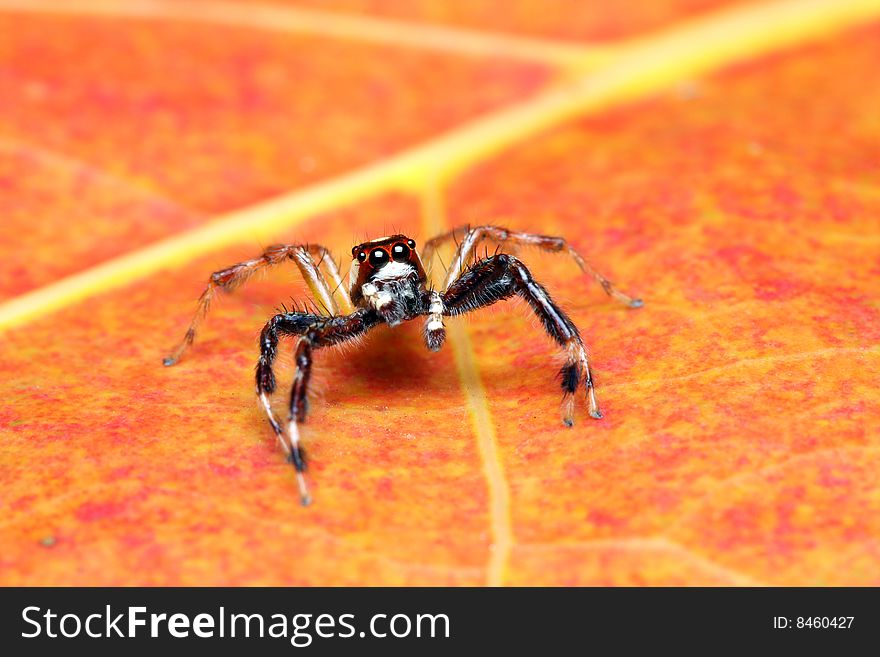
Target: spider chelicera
<point x="388" y="285"/>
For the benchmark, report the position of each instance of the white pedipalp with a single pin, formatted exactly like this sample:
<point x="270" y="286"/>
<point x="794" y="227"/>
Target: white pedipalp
<point x="377" y="298"/>
<point x="435" y="330"/>
<point x="436" y="307"/>
<point x="435" y="318"/>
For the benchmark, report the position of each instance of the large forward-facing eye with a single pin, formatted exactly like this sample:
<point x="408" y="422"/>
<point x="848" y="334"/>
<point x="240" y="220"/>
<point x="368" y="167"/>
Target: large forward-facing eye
<point x="400" y="252"/>
<point x="378" y="257"/>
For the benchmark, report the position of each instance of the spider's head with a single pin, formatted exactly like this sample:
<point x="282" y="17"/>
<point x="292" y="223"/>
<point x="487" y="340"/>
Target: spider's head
<point x="385" y="260"/>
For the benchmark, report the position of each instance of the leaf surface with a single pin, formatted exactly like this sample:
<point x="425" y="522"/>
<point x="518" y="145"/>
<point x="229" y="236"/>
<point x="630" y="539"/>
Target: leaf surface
<point x="741" y="406"/>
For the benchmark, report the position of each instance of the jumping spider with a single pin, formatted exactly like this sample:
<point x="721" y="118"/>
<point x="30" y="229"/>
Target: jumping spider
<point x="388" y="285"/>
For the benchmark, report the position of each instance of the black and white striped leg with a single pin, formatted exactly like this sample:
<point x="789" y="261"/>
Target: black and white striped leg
<point x="576" y="369"/>
<point x="500" y="277"/>
<point x="314" y="331"/>
<point x="298" y="409"/>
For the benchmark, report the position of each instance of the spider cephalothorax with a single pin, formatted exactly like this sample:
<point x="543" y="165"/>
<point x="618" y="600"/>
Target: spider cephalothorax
<point x="388" y="285"/>
<point x="387" y="275"/>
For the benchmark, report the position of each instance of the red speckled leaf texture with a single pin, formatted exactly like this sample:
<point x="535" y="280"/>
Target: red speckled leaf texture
<point x="739" y="443"/>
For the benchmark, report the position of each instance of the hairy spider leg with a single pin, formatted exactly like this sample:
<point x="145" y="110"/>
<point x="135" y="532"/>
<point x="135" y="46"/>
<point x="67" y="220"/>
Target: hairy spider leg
<point x="472" y="237"/>
<point x="233" y="277"/>
<point x="314" y="331"/>
<point x="500" y="277"/>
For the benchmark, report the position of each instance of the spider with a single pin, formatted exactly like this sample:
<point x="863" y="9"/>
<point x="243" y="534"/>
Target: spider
<point x="388" y="285"/>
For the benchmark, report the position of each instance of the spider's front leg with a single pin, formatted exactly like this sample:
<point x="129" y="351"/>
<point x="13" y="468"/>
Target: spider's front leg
<point x="502" y="276"/>
<point x="313" y="331"/>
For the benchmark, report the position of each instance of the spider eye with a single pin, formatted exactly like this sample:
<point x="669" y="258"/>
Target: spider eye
<point x="361" y="256"/>
<point x="411" y="244"/>
<point x="378" y="258"/>
<point x="400" y="252"/>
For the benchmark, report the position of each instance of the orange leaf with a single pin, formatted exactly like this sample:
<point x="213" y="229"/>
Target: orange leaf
<point x="163" y="125"/>
<point x="741" y="406"/>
